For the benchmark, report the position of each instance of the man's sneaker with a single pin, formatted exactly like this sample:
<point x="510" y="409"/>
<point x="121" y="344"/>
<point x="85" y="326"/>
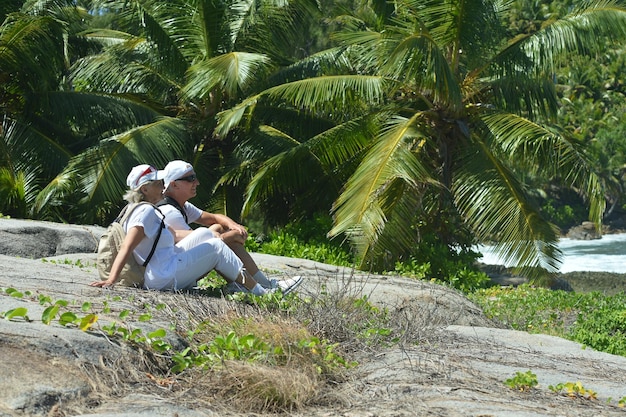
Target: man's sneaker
<point x="234" y="287"/>
<point x="288" y="285"/>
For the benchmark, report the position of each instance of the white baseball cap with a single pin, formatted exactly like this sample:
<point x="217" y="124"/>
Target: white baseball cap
<point x="142" y="174"/>
<point x="176" y="170"/>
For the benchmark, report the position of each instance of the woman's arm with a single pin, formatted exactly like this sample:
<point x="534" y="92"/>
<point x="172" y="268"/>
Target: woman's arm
<point x="134" y="235"/>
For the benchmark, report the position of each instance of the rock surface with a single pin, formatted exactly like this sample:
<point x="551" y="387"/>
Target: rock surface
<point x="46" y="370"/>
<point x="585" y="231"/>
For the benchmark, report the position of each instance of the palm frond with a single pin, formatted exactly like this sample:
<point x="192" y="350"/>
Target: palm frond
<point x="157" y="25"/>
<point x="401" y="201"/>
<point x="524" y="93"/>
<point x="121" y="68"/>
<point x="534" y="148"/>
<point x="586" y="28"/>
<point x="313" y="166"/>
<point x="407" y="53"/>
<point x="359" y="210"/>
<point x="25" y="148"/>
<point x="107" y="37"/>
<point x="293" y="167"/>
<point x="418" y="60"/>
<point x="99" y="173"/>
<point x="497" y="207"/>
<point x="233" y="73"/>
<point x="97" y="115"/>
<point x="326" y="94"/>
<point x="329" y="61"/>
<point x="14" y="192"/>
<point x="26" y="42"/>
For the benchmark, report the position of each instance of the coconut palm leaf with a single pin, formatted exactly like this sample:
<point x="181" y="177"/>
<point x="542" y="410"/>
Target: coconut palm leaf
<point x="232" y="73"/>
<point x="312" y="167"/>
<point x="535" y="148"/>
<point x="25" y="42"/>
<point x="359" y="210"/>
<point x="98" y="174"/>
<point x="323" y="94"/>
<point x="26" y="148"/>
<point x="495" y="203"/>
<point x="577" y="32"/>
<point x="324" y="62"/>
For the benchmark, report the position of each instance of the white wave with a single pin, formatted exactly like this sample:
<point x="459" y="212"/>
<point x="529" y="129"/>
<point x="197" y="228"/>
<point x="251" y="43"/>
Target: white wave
<point x="607" y="254"/>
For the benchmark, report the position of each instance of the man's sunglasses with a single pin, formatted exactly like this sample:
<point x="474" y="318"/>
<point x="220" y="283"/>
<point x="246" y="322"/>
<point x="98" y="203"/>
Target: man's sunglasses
<point x="188" y="178"/>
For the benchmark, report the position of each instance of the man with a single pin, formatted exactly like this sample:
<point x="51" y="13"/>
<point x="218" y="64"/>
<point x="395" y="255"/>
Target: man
<point x="180" y="185"/>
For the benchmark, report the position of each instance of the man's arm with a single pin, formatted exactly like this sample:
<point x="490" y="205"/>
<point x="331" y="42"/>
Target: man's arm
<point x="230" y="228"/>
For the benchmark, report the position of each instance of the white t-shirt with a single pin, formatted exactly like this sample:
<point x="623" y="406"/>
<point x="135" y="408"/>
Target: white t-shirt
<point x="175" y="219"/>
<point x="161" y="269"/>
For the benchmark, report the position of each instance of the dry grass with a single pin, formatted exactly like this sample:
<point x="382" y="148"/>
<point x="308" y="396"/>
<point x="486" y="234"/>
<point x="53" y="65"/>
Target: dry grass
<point x="256" y="387"/>
<point x="341" y="319"/>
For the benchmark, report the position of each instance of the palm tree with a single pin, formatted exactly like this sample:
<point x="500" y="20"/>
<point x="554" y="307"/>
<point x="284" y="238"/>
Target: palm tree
<point x="26" y="43"/>
<point x="143" y="88"/>
<point x="459" y="115"/>
<point x="171" y="66"/>
<point x="49" y="127"/>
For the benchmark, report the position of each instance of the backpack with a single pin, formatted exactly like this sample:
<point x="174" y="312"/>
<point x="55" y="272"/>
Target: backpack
<point x="132" y="274"/>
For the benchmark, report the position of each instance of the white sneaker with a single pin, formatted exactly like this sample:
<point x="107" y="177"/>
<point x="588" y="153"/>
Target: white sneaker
<point x="288" y="285"/>
<point x="234" y="287"/>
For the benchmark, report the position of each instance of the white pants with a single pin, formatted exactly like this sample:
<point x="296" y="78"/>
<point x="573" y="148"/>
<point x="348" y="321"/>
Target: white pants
<point x="198" y="254"/>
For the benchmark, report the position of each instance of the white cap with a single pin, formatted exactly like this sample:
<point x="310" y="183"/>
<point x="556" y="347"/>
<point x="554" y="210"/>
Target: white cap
<point x="142" y="174"/>
<point x="176" y="170"/>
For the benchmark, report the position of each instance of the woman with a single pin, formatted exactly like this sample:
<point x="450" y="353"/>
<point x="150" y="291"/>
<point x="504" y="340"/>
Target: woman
<point x="177" y="263"/>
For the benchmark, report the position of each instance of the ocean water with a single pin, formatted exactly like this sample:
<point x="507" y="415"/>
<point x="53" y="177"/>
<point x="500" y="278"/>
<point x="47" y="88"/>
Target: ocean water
<point x="607" y="254"/>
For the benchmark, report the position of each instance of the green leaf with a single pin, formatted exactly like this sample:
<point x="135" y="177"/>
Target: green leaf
<point x="157" y="334"/>
<point x="17" y="313"/>
<point x="50" y="314"/>
<point x="67" y="318"/>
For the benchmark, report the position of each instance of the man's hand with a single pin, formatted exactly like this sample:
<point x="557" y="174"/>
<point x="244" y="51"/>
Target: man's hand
<point x="234" y="236"/>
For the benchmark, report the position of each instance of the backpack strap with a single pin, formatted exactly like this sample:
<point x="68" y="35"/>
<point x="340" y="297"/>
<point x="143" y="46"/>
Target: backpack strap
<point x="125" y="214"/>
<point x="156" y="241"/>
<point x="169" y="200"/>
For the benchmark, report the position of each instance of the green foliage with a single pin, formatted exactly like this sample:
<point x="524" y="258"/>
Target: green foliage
<point x="221" y="348"/>
<point x="468" y="279"/>
<point x="574" y="390"/>
<point x="522" y="381"/>
<point x="373" y="326"/>
<point x="212" y="282"/>
<point x="77" y="262"/>
<point x="563" y="215"/>
<point x="531" y="309"/>
<point x="451" y="265"/>
<point x="14" y="313"/>
<point x="430" y="259"/>
<point x="304" y="239"/>
<point x="325" y="357"/>
<point x="603" y="325"/>
<point x="592" y="319"/>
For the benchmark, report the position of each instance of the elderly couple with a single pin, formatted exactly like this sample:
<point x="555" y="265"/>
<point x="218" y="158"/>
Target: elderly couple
<point x="182" y="255"/>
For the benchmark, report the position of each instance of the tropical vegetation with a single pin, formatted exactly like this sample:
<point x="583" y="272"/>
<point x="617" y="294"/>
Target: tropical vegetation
<point x="421" y="126"/>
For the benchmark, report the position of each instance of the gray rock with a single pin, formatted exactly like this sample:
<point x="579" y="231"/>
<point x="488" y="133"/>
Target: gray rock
<point x="458" y="370"/>
<point x="585" y="231"/>
<point x="38" y="239"/>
